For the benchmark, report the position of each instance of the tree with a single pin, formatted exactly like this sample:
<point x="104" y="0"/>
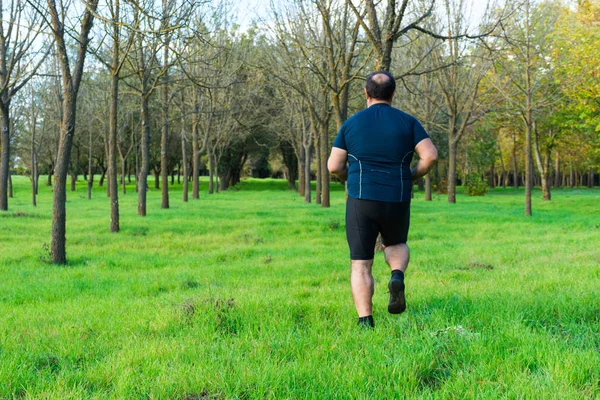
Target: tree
<point x="576" y="55"/>
<point x="466" y="100"/>
<point x="19" y="61"/>
<point x="526" y="80"/>
<point x="71" y="74"/>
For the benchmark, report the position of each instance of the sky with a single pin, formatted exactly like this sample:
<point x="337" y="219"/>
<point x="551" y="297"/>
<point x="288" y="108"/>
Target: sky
<point x="247" y="10"/>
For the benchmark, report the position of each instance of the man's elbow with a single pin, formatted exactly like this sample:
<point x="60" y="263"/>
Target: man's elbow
<point x="432" y="157"/>
<point x="334" y="168"/>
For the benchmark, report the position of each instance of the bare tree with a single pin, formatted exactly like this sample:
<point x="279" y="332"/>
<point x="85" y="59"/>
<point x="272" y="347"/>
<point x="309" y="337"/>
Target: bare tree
<point x="466" y="101"/>
<point x="146" y="68"/>
<point x="71" y="74"/>
<point x="526" y="69"/>
<point x="19" y="61"/>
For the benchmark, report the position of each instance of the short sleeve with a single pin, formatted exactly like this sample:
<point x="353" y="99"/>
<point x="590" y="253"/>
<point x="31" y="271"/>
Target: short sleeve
<point x="340" y="140"/>
<point x="419" y="133"/>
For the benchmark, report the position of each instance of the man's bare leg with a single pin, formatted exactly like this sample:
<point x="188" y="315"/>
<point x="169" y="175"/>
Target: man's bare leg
<point x="362" y="284"/>
<point x="397" y="257"/>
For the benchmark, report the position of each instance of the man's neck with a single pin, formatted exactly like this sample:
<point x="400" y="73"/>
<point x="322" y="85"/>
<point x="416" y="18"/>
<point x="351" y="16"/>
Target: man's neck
<point x="372" y="102"/>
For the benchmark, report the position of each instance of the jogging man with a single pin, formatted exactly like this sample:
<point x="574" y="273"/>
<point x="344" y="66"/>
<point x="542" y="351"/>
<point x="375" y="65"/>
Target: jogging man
<point x="378" y="144"/>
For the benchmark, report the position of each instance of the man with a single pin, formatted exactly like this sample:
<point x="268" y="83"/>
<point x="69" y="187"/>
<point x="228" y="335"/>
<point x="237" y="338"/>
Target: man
<point x="378" y="143"/>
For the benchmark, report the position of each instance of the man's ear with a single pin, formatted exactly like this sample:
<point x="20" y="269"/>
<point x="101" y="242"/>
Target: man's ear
<point x="366" y="93"/>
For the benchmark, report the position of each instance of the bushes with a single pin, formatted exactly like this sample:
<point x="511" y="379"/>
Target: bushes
<point x="475" y="185"/>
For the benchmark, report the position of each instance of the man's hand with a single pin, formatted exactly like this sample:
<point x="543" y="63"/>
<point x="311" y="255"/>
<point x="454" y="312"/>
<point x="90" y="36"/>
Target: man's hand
<point x="413" y="172"/>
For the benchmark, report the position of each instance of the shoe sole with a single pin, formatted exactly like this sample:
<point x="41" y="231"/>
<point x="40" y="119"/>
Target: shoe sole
<point x="396" y="288"/>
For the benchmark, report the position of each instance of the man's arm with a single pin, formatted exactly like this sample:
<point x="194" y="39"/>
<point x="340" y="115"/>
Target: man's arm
<point x="427" y="158"/>
<point x="337" y="163"/>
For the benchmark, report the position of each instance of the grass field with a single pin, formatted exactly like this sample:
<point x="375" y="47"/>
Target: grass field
<point x="245" y="295"/>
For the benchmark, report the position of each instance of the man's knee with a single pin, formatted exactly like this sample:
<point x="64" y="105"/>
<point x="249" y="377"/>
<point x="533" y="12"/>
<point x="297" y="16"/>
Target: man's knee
<point x="361" y="266"/>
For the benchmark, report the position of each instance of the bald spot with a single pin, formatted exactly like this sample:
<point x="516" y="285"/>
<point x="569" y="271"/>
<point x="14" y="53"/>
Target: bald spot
<point x="380" y="78"/>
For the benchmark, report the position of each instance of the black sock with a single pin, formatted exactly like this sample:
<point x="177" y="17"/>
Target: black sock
<point x="396" y="273"/>
<point x="366" y="321"/>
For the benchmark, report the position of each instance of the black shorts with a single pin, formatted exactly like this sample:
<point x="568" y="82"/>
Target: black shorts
<point x="365" y="219"/>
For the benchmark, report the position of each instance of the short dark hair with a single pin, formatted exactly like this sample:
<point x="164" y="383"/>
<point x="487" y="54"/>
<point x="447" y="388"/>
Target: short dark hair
<point x="380" y="87"/>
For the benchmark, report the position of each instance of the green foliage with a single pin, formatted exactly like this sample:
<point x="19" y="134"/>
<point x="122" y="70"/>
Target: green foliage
<point x="245" y="295"/>
<point x="475" y="185"/>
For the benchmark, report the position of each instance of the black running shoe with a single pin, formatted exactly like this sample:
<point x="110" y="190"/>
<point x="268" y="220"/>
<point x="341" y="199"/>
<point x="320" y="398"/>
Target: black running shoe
<point x="397" y="303"/>
<point x="366" y="322"/>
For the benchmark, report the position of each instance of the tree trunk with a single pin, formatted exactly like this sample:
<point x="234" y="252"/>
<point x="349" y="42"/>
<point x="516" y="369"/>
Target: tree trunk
<point x="217" y="179"/>
<point x="324" y="143"/>
<point x="318" y="193"/>
<point x="301" y="176"/>
<point x="33" y="164"/>
<point x="529" y="125"/>
<point x="4" y="156"/>
<point x="571" y="175"/>
<point x="515" y="166"/>
<point x="112" y="153"/>
<point x="102" y="177"/>
<point x="108" y="169"/>
<point x="34" y="179"/>
<point x="59" y="213"/>
<point x="195" y="151"/>
<point x="528" y="168"/>
<point x="74" y="172"/>
<point x="164" y="141"/>
<point x="184" y="157"/>
<point x="145" y="154"/>
<point x="543" y="166"/>
<point x="492" y="176"/>
<point x="290" y="162"/>
<point x="590" y="181"/>
<point x="452" y="147"/>
<point x="137" y="167"/>
<point x="90" y="180"/>
<point x="123" y="167"/>
<point x="428" y="187"/>
<point x="545" y="179"/>
<point x="129" y="172"/>
<point x="307" y="189"/>
<point x="211" y="173"/>
<point x="10" y="186"/>
<point x="557" y="180"/>
<point x="34" y="184"/>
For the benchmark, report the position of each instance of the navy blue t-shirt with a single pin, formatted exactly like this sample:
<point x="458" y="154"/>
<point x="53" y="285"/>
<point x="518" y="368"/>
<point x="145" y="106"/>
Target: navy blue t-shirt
<point x="380" y="141"/>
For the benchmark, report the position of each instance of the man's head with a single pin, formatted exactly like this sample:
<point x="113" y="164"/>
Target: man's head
<point x="380" y="86"/>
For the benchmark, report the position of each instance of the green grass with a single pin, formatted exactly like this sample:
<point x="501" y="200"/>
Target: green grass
<point x="245" y="295"/>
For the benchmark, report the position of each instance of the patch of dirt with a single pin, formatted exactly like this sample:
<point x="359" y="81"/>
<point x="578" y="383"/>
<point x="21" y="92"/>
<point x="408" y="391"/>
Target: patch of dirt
<point x="204" y="395"/>
<point x="481" y="266"/>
